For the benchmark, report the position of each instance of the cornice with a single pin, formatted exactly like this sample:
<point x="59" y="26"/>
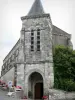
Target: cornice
<point x="35" y="16"/>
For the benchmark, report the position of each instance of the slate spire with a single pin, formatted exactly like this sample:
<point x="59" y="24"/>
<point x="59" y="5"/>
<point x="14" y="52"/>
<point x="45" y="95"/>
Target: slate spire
<point x="36" y="8"/>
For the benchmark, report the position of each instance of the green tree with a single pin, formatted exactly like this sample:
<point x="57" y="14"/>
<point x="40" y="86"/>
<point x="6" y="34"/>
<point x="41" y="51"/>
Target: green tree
<point x="64" y="68"/>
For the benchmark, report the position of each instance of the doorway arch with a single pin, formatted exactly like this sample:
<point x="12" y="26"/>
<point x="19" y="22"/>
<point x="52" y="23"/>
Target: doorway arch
<point x="35" y="85"/>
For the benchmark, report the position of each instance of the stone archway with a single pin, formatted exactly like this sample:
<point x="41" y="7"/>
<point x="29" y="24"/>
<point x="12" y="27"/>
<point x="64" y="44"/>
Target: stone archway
<point x="35" y="85"/>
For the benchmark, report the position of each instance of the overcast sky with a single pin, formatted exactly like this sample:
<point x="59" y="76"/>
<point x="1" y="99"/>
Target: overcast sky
<point x="62" y="14"/>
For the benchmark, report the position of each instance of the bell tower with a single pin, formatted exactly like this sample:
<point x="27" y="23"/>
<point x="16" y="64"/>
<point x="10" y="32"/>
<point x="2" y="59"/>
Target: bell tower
<point x="37" y="36"/>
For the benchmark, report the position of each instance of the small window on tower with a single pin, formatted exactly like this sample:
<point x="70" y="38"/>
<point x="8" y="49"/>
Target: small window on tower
<point x="38" y="37"/>
<point x="38" y="40"/>
<point x="32" y="40"/>
<point x="32" y="48"/>
<point x="32" y="33"/>
<point x="38" y="32"/>
<point x="38" y="47"/>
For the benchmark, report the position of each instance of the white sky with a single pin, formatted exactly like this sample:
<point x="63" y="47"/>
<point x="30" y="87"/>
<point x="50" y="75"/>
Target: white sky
<point x="62" y="14"/>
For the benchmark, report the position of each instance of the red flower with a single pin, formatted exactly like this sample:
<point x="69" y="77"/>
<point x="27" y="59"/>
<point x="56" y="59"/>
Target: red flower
<point x="6" y="85"/>
<point x="24" y="97"/>
<point x="18" y="87"/>
<point x="2" y="82"/>
<point x="44" y="97"/>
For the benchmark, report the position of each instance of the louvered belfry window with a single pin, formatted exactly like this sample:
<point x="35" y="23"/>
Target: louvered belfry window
<point x="38" y="39"/>
<point x="32" y="40"/>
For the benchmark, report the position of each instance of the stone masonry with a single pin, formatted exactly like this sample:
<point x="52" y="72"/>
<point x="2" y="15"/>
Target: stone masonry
<point x="37" y="61"/>
<point x="29" y="67"/>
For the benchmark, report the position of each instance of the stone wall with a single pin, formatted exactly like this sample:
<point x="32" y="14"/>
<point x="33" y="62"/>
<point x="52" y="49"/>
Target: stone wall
<point x="12" y="52"/>
<point x="9" y="76"/>
<point x="44" y="70"/>
<point x="37" y="61"/>
<point x="61" y="37"/>
<point x="61" y="95"/>
<point x="20" y="75"/>
<point x="45" y="53"/>
<point x="60" y="40"/>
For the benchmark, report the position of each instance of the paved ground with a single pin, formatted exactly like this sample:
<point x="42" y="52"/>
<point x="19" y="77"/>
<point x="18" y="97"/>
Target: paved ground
<point x="3" y="96"/>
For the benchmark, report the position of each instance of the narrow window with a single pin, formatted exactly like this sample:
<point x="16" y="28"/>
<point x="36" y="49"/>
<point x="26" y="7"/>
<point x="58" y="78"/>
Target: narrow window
<point x="38" y="40"/>
<point x="38" y="37"/>
<point x="38" y="47"/>
<point x="32" y="40"/>
<point x="32" y="48"/>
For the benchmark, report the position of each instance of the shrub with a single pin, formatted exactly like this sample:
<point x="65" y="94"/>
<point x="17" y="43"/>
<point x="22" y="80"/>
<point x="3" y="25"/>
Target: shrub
<point x="64" y="68"/>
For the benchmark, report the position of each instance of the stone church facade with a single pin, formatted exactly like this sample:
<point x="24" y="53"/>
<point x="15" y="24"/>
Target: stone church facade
<point x="30" y="62"/>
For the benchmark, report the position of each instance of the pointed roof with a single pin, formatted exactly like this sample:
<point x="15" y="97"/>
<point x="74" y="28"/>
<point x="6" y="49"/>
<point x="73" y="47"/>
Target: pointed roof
<point x="36" y="8"/>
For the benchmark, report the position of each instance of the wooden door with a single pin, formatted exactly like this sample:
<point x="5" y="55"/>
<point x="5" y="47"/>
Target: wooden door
<point x="38" y="90"/>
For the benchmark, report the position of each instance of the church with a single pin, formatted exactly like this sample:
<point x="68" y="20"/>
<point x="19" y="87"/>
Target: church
<point x="30" y="62"/>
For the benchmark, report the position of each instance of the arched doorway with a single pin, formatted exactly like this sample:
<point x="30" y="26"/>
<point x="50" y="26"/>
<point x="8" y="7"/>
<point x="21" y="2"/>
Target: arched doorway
<point x="35" y="85"/>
